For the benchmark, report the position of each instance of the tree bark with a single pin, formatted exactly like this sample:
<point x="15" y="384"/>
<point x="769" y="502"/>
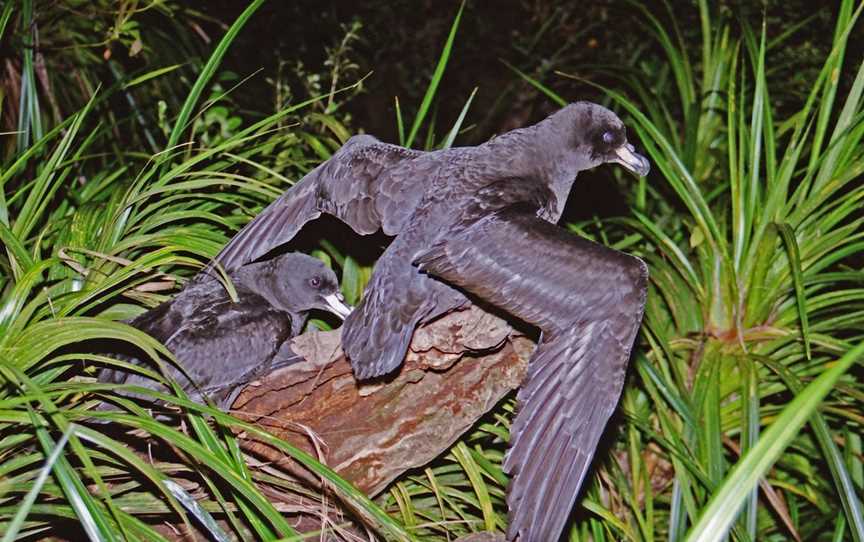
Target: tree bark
<point x="457" y="369"/>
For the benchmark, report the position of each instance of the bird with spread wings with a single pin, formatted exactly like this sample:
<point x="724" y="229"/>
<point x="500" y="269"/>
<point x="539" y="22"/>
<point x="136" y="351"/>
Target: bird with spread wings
<point x="479" y="222"/>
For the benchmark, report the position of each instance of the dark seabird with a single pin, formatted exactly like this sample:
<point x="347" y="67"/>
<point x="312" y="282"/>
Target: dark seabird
<point x="223" y="344"/>
<point x="482" y="219"/>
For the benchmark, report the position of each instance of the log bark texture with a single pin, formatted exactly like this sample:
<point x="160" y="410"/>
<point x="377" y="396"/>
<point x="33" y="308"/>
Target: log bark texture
<point x="457" y="369"/>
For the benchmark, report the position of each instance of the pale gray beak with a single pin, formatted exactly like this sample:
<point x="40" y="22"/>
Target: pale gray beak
<point x="627" y="156"/>
<point x="337" y="304"/>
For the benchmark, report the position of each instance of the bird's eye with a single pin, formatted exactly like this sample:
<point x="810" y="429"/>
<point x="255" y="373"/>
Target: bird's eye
<point x="315" y="282"/>
<point x="608" y="138"/>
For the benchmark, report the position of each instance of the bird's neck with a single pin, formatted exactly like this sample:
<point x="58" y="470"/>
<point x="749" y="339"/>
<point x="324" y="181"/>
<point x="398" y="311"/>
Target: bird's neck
<point x="251" y="277"/>
<point x="264" y="280"/>
<point x="528" y="154"/>
<point x="261" y="279"/>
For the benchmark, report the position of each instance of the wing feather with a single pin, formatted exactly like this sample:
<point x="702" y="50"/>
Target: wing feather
<point x="376" y="335"/>
<point x="360" y="184"/>
<point x="588" y="301"/>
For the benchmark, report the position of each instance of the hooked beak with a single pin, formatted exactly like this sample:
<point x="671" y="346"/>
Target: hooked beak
<point x="337" y="305"/>
<point x="627" y="156"/>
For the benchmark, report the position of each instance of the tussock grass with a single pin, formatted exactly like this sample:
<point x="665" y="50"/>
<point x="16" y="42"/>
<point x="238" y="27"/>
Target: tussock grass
<point x="742" y="415"/>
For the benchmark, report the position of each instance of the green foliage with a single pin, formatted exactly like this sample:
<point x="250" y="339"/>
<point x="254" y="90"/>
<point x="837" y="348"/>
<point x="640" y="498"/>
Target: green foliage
<point x="752" y="234"/>
<point x="67" y="48"/>
<point x="88" y="241"/>
<point x="754" y="292"/>
<point x="741" y="419"/>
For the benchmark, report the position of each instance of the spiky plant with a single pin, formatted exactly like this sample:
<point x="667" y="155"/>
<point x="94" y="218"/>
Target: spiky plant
<point x="752" y="230"/>
<point x="88" y="240"/>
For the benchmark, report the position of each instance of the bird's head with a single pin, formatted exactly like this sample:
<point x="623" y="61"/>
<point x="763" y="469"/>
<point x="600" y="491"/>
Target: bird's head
<point x="303" y="283"/>
<point x="594" y="135"/>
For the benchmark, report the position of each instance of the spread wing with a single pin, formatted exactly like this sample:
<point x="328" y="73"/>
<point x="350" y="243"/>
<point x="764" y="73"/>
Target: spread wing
<point x="377" y="334"/>
<point x="588" y="302"/>
<point x="360" y="184"/>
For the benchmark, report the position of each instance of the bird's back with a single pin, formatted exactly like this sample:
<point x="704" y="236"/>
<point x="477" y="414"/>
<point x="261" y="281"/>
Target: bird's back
<point x="219" y="343"/>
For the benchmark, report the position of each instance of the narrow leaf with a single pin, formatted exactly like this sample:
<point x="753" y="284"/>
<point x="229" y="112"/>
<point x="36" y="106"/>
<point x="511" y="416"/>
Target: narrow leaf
<point x="436" y="78"/>
<point x="798" y="281"/>
<point x="723" y="508"/>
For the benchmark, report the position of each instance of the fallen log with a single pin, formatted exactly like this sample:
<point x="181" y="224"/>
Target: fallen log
<point x="457" y="369"/>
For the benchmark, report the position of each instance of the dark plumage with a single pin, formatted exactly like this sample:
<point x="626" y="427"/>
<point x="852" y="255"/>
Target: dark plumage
<point x="223" y="344"/>
<point x="480" y="218"/>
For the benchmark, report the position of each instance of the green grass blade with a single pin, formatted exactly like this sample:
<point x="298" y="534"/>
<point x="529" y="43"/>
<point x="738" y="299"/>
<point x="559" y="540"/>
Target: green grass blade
<point x="211" y="441"/>
<point x="788" y="236"/>
<point x="196" y="510"/>
<point x="49" y="179"/>
<point x="749" y="436"/>
<point x="551" y="94"/>
<point x="834" y="63"/>
<point x="676" y="57"/>
<point x="152" y="74"/>
<point x="87" y="511"/>
<point x="436" y="79"/>
<point x="353" y="281"/>
<point x="436" y="489"/>
<point x="207" y="73"/>
<point x="138" y="465"/>
<point x="454" y="131"/>
<point x="26" y="504"/>
<point x="669" y="392"/>
<point x="406" y="505"/>
<point x="851" y="108"/>
<point x="717" y="517"/>
<point x="463" y="456"/>
<point x="19" y="258"/>
<point x="739" y="223"/>
<point x="5" y="16"/>
<point x="29" y="114"/>
<point x="674" y="253"/>
<point x="400" y="125"/>
<point x="753" y="188"/>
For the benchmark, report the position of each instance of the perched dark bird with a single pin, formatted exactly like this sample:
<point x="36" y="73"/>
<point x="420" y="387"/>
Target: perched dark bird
<point x="224" y="344"/>
<point x="481" y="219"/>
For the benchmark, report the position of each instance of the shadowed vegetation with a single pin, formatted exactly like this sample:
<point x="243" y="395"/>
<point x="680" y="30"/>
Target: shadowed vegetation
<point x="134" y="146"/>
